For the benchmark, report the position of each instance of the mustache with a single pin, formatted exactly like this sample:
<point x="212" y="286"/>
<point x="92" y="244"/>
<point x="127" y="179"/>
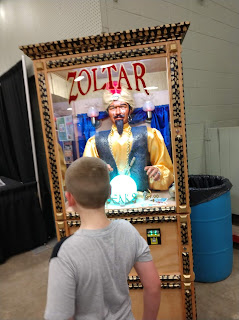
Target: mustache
<point x="119" y="116"/>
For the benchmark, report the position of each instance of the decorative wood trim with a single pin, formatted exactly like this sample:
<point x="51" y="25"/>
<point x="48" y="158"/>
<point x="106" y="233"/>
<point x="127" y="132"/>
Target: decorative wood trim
<point x="61" y="229"/>
<point x="180" y="169"/>
<point x="175" y="277"/>
<point x="158" y="219"/>
<point x="175" y="92"/>
<point x="183" y="132"/>
<point x="164" y="285"/>
<point x="184" y="229"/>
<point x="75" y="223"/>
<point x="185" y="248"/>
<point x="107" y="41"/>
<point x="125" y="46"/>
<point x="187" y="278"/>
<point x="173" y="47"/>
<point x="72" y="215"/>
<point x="188" y="301"/>
<point x="39" y="66"/>
<point x="129" y="212"/>
<point x="106" y="56"/>
<point x="188" y="294"/>
<point x="182" y="221"/>
<point x="177" y="133"/>
<point x="139" y="211"/>
<point x="50" y="147"/>
<point x="186" y="262"/>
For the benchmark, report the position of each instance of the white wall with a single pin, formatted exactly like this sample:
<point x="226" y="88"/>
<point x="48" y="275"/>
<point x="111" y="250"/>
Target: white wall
<point x="210" y="49"/>
<point x="24" y="22"/>
<point x="210" y="58"/>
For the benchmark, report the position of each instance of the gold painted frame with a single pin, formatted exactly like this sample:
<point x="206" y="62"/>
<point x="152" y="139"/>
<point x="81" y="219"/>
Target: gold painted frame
<point x="122" y="46"/>
<point x="160" y="41"/>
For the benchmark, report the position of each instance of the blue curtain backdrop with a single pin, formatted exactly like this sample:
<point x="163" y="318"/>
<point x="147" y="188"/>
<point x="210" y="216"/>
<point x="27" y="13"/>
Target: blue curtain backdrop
<point x="160" y="121"/>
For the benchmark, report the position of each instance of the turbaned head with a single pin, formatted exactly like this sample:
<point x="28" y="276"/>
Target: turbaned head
<point x="122" y="94"/>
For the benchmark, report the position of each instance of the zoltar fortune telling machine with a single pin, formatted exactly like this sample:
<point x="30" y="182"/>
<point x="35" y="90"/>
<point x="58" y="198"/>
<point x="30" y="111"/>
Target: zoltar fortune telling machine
<point x="119" y="96"/>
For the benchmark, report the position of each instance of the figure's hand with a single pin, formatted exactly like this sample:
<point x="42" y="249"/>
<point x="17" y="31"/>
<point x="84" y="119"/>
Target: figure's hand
<point x="109" y="167"/>
<point x="152" y="172"/>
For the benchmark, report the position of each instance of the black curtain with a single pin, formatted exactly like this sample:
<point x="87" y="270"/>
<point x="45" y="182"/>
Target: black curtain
<point x="8" y="167"/>
<point x="21" y="222"/>
<point x="41" y="161"/>
<point x="16" y="164"/>
<point x="17" y="161"/>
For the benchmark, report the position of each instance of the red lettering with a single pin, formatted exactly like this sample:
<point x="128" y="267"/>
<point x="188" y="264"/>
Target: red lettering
<point x="94" y="70"/>
<point x="111" y="85"/>
<point x="72" y="75"/>
<point x="139" y="76"/>
<point x="89" y="82"/>
<point x="139" y="70"/>
<point x="123" y="75"/>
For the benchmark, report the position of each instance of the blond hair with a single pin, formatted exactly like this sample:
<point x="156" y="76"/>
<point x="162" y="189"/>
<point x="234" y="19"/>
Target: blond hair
<point x="87" y="179"/>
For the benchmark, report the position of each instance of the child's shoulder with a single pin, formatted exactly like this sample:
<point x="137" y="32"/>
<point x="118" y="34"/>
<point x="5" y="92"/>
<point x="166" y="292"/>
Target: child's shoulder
<point x="122" y="223"/>
<point x="58" y="246"/>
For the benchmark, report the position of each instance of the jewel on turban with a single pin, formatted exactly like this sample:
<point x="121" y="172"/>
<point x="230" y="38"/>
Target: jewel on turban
<point x="116" y="94"/>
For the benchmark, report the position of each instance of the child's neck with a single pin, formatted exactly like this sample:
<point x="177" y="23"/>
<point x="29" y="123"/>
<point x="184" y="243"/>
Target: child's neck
<point x="93" y="218"/>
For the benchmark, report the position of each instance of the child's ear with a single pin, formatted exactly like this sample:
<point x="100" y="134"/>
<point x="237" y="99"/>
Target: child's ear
<point x="70" y="198"/>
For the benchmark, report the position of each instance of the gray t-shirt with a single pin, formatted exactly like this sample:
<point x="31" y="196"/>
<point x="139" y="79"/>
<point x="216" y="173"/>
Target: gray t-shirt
<point x="88" y="276"/>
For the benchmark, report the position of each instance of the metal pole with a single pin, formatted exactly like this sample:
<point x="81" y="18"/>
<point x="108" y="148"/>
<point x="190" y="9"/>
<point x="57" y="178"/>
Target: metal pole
<point x="31" y="126"/>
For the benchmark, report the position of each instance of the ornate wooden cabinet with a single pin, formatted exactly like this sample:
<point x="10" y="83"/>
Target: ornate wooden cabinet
<point x="155" y="54"/>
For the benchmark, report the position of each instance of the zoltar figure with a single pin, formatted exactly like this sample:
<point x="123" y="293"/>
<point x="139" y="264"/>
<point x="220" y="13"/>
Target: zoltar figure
<point x="136" y="151"/>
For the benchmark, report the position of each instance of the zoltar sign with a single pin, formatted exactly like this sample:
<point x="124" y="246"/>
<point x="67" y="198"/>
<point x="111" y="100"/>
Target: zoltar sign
<point x="138" y="69"/>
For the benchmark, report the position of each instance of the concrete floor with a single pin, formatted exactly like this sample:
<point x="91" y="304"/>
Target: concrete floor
<point x="23" y="283"/>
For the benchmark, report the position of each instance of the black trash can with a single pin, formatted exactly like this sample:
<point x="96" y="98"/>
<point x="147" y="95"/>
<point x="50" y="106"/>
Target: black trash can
<point x="211" y="227"/>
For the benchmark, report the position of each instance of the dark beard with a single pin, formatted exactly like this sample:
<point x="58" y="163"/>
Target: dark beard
<point x="119" y="125"/>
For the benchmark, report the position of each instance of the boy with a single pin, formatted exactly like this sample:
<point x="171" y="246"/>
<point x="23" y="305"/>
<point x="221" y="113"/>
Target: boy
<point x="88" y="271"/>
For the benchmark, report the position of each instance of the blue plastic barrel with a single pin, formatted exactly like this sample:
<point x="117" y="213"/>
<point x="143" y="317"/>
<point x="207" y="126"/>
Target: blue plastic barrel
<point x="212" y="239"/>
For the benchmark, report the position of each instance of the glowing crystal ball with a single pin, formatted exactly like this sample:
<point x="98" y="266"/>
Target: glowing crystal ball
<point x="123" y="189"/>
